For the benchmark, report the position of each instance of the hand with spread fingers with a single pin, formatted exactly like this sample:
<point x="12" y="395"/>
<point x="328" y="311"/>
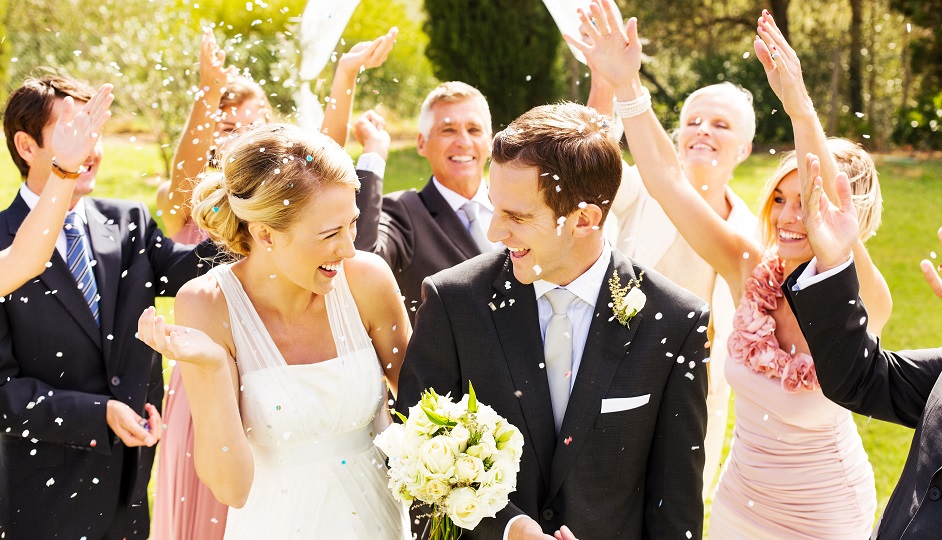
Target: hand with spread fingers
<point x="832" y="230"/>
<point x="180" y="343"/>
<point x="782" y="67"/>
<point x="932" y="276"/>
<point x="213" y="71"/>
<point x="78" y="131"/>
<point x="611" y="49"/>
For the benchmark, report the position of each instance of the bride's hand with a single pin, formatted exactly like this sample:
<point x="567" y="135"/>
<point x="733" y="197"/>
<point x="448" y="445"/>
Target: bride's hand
<point x="180" y="343"/>
<point x="782" y="67"/>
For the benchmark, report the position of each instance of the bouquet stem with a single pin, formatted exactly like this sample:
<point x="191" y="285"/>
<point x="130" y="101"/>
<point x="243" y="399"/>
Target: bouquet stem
<point x="443" y="528"/>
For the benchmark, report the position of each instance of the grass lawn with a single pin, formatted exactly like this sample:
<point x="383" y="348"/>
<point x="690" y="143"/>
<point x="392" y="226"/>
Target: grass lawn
<point x="911" y="191"/>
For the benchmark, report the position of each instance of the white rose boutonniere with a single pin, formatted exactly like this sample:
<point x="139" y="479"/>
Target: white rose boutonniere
<point x="627" y="301"/>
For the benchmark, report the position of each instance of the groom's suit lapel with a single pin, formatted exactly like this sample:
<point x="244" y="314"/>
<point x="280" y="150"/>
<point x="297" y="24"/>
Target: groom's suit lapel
<point x="606" y="345"/>
<point x="518" y="329"/>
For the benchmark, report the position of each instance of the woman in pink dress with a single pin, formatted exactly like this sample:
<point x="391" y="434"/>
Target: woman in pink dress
<point x="797" y="468"/>
<point x="184" y="508"/>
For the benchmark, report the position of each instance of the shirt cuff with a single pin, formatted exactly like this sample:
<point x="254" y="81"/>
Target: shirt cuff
<point x="509" y="523"/>
<point x="810" y="275"/>
<point x="372" y="162"/>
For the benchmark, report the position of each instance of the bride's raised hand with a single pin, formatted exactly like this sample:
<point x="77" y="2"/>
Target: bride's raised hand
<point x="180" y="343"/>
<point x="782" y="66"/>
<point x="613" y="51"/>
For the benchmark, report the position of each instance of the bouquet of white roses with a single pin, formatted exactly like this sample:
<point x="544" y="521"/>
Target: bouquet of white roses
<point x="460" y="458"/>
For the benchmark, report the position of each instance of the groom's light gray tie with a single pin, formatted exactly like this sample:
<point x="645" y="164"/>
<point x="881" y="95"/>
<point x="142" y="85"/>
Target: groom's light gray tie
<point x="557" y="352"/>
<point x="472" y="209"/>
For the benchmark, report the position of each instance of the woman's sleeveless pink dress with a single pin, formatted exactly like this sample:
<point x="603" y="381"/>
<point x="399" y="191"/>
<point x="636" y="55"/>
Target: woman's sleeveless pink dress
<point x="184" y="508"/>
<point x="797" y="467"/>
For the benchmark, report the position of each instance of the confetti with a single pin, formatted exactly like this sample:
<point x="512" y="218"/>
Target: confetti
<point x="568" y="440"/>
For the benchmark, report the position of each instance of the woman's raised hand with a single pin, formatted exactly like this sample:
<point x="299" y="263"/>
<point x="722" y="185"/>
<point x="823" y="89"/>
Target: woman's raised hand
<point x="180" y="343"/>
<point x="369" y="54"/>
<point x="612" y="49"/>
<point x="782" y="67"/>
<point x="213" y="71"/>
<point x="77" y="132"/>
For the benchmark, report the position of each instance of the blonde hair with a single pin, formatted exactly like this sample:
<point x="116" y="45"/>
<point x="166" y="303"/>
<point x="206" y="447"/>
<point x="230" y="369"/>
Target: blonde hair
<point x="738" y="98"/>
<point x="267" y="176"/>
<point x="854" y="161"/>
<point x="451" y="92"/>
<point x="241" y="89"/>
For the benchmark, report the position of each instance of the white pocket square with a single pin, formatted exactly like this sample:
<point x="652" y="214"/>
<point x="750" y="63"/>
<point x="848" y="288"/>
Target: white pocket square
<point x="611" y="405"/>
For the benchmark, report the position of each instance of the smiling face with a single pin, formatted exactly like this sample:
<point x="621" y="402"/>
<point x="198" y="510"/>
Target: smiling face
<point x="785" y="220"/>
<point x="540" y="248"/>
<point x="709" y="135"/>
<point x="458" y="142"/>
<point x="311" y="251"/>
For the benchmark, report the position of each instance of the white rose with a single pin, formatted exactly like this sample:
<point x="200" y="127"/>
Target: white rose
<point x="461" y="434"/>
<point x="391" y="439"/>
<point x="493" y="499"/>
<point x="465" y="508"/>
<point x="469" y="469"/>
<point x="502" y="474"/>
<point x="437" y="455"/>
<point x="634" y="301"/>
<point x="419" y="422"/>
<point x="435" y="490"/>
<point x="487" y="417"/>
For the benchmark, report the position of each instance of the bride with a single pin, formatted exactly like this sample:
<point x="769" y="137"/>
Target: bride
<point x="283" y="352"/>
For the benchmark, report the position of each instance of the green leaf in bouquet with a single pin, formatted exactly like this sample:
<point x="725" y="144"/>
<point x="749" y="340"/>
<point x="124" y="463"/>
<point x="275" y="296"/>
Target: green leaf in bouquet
<point x="401" y="417"/>
<point x="472" y="399"/>
<point x="438" y="419"/>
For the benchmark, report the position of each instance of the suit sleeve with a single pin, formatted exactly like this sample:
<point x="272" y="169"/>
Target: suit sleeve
<point x="673" y="503"/>
<point x="852" y="368"/>
<point x="432" y="362"/>
<point x="174" y="264"/>
<point x="385" y="226"/>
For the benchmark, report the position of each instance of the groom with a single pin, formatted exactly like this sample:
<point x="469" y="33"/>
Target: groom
<point x="613" y="414"/>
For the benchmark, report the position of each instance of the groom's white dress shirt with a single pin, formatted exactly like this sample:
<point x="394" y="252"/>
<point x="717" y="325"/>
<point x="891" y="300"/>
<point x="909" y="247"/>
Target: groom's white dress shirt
<point x="586" y="288"/>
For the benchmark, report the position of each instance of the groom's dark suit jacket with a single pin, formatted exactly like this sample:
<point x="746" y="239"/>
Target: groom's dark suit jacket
<point x="900" y="387"/>
<point x="416" y="232"/>
<point x="635" y="473"/>
<point x="63" y="474"/>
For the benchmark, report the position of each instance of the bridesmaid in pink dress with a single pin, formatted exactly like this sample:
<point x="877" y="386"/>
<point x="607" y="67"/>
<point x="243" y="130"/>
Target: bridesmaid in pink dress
<point x="797" y="468"/>
<point x="184" y="508"/>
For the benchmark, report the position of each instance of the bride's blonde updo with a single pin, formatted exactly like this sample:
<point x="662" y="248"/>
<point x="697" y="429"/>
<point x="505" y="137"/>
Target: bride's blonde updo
<point x="267" y="176"/>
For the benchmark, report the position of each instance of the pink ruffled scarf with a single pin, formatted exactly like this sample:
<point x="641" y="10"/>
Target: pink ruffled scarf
<point x="753" y="341"/>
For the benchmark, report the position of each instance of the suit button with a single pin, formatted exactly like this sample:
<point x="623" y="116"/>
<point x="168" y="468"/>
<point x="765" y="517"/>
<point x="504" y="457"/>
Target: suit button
<point x="548" y="514"/>
<point x="935" y="493"/>
<point x="115" y="381"/>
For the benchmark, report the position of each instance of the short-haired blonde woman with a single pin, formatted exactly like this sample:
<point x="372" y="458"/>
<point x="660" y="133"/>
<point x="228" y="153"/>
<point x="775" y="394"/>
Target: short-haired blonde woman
<point x="284" y="352"/>
<point x="797" y="467"/>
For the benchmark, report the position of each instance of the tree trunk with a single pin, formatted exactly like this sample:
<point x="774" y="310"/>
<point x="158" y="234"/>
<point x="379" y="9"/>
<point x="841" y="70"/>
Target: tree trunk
<point x="835" y="87"/>
<point x="855" y="74"/>
<point x="779" y="9"/>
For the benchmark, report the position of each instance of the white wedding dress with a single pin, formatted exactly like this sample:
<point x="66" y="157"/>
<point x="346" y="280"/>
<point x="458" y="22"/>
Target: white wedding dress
<point x="311" y="429"/>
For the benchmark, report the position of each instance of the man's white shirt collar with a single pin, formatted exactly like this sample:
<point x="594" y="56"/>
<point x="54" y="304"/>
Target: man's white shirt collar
<point x="586" y="286"/>
<point x="32" y="200"/>
<point x="456" y="201"/>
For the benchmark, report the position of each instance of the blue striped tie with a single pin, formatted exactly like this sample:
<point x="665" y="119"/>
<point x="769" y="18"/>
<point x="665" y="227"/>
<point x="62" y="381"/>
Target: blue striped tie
<point x="77" y="258"/>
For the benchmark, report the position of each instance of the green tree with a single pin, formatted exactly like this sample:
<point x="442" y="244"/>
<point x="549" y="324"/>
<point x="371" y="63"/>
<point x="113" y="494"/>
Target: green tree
<point x="507" y="49"/>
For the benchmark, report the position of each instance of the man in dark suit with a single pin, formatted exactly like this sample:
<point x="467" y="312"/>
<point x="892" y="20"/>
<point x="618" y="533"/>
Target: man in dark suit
<point x="611" y="406"/>
<point x="855" y="372"/>
<point x="75" y="451"/>
<point x="419" y="233"/>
